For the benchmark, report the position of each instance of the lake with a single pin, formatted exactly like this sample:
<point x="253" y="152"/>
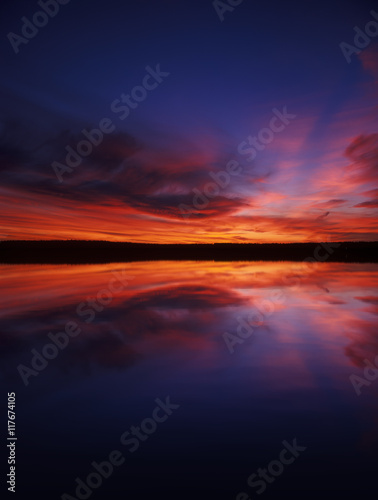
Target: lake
<point x="192" y="380"/>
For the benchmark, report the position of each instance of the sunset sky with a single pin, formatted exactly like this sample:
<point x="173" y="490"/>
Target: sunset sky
<point x="223" y="82"/>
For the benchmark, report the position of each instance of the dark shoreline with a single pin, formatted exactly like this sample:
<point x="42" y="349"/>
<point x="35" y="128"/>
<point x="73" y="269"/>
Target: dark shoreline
<point x="99" y="252"/>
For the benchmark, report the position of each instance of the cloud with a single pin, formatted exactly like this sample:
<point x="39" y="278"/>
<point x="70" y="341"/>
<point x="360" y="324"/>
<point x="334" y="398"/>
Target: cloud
<point x="363" y="153"/>
<point x="127" y="189"/>
<point x="369" y="59"/>
<point x="367" y="204"/>
<point x="334" y="203"/>
<point x="323" y="216"/>
<point x="123" y="172"/>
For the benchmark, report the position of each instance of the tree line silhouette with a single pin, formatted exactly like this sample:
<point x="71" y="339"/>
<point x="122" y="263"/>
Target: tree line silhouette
<point x="96" y="252"/>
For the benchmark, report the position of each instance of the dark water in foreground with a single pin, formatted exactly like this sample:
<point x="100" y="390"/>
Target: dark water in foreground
<point x="144" y="331"/>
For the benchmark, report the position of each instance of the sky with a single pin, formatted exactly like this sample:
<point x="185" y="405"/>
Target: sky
<point x="189" y="121"/>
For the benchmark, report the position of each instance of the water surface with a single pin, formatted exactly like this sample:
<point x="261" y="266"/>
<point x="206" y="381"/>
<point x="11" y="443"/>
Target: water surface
<point x="253" y="354"/>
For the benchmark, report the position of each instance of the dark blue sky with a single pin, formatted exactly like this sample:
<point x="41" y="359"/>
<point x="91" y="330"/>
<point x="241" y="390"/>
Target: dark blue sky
<point x="220" y="71"/>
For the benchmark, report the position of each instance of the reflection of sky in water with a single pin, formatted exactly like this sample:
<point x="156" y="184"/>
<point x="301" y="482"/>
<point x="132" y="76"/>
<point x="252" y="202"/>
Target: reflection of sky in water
<point x="162" y="335"/>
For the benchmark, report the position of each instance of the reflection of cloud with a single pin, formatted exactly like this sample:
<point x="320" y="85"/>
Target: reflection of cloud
<point x="178" y="309"/>
<point x="111" y="341"/>
<point x="97" y="346"/>
<point x="186" y="297"/>
<point x="371" y="299"/>
<point x="364" y="343"/>
<point x="102" y="348"/>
